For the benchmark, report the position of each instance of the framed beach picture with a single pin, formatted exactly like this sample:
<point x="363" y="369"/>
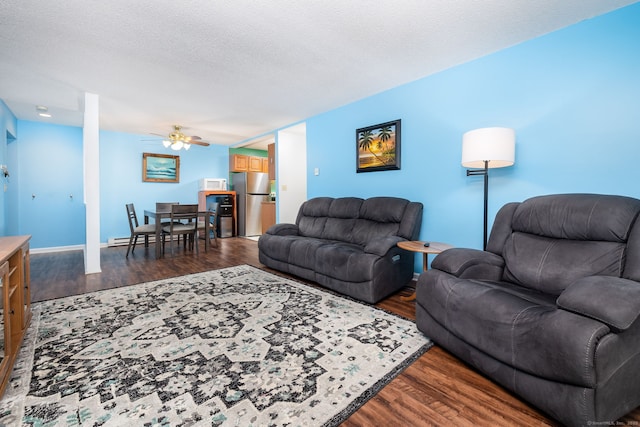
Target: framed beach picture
<point x="378" y="147"/>
<point x="160" y="168"/>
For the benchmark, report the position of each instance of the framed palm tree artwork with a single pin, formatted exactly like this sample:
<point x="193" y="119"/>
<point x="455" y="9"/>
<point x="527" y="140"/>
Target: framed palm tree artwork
<point x="378" y="147"/>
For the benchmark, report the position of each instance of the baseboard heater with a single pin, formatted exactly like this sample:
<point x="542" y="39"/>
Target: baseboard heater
<point x="124" y="241"/>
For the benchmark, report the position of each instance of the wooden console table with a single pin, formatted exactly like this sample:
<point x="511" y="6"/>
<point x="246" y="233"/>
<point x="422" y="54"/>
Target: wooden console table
<point x="16" y="300"/>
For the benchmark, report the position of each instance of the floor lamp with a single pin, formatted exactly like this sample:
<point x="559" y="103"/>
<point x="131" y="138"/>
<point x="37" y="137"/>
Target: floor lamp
<point x="484" y="149"/>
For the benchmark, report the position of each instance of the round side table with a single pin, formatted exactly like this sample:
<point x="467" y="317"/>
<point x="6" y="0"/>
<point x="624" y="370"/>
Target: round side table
<point x="419" y="247"/>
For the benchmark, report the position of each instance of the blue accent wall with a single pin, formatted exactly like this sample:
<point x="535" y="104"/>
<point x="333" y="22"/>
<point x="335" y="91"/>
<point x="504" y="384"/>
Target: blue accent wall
<point x="48" y="184"/>
<point x="121" y="177"/>
<point x="46" y="161"/>
<point x="572" y="96"/>
<point x="8" y="124"/>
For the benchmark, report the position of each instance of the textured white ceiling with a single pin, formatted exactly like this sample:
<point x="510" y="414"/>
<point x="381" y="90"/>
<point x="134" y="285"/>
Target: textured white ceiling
<point x="229" y="70"/>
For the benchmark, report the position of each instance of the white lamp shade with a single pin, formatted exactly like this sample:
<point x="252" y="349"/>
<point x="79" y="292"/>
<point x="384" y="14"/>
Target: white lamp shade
<point x="496" y="145"/>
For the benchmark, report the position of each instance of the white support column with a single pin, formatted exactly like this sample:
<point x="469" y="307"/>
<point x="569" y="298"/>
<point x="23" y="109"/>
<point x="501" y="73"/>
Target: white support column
<point x="91" y="149"/>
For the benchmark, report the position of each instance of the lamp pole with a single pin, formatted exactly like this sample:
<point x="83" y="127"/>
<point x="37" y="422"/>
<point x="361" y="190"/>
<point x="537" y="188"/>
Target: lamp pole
<point x="485" y="172"/>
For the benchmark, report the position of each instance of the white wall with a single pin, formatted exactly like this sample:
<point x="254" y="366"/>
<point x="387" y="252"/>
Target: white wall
<point x="291" y="171"/>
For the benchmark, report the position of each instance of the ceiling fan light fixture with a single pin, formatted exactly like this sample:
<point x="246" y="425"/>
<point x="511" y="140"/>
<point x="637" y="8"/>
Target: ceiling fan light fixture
<point x="177" y="140"/>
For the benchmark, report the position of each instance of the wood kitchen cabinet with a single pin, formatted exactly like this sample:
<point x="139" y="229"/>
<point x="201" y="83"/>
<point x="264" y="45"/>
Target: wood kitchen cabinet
<point x="244" y="163"/>
<point x="238" y="163"/>
<point x="255" y="164"/>
<point x="267" y="215"/>
<point x="271" y="153"/>
<point x="16" y="300"/>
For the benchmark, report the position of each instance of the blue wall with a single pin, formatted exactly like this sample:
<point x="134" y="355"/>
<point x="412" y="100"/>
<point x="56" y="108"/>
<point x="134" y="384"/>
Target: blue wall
<point x="572" y="96"/>
<point x="46" y="162"/>
<point x="8" y="124"/>
<point x="121" y="177"/>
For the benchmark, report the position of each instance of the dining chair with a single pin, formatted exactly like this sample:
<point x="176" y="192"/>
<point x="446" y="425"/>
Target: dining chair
<point x="137" y="229"/>
<point x="183" y="221"/>
<point x="212" y="226"/>
<point x="166" y="207"/>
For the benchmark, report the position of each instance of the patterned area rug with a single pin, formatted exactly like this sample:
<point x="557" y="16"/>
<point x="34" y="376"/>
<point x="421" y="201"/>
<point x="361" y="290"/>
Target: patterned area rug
<point x="237" y="346"/>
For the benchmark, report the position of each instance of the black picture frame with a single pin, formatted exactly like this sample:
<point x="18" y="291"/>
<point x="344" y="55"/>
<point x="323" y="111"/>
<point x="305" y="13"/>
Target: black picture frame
<point x="378" y="147"/>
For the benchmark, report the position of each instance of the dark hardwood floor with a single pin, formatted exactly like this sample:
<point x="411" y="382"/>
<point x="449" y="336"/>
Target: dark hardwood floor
<point x="436" y="390"/>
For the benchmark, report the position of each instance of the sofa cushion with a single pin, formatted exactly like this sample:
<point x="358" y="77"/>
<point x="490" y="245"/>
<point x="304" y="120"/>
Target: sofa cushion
<point x="556" y="240"/>
<point x="345" y="207"/>
<point x="517" y="326"/>
<point x="345" y="261"/>
<point x="302" y="251"/>
<point x="611" y="300"/>
<point x="378" y="217"/>
<point x="383" y="209"/>
<point x="550" y="265"/>
<point x="312" y="216"/>
<point x="365" y="231"/>
<point x="578" y="217"/>
<point x="278" y="247"/>
<point x="342" y="216"/>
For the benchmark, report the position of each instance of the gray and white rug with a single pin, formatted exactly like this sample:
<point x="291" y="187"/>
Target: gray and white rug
<point x="237" y="346"/>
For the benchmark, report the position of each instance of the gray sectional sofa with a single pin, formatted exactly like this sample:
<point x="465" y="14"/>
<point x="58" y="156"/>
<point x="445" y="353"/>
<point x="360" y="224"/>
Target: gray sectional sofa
<point x="551" y="309"/>
<point x="347" y="245"/>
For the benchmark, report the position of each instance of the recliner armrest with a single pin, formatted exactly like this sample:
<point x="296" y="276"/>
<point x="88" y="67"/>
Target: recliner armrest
<point x="283" y="230"/>
<point x="611" y="300"/>
<point x="469" y="263"/>
<point x="381" y="246"/>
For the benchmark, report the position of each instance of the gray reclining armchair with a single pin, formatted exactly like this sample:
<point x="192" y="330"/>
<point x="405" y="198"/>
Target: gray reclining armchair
<point x="550" y="310"/>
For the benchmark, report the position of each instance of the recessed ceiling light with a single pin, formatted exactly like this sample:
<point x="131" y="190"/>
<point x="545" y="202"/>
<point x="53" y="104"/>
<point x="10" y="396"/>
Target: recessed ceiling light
<point x="47" y="115"/>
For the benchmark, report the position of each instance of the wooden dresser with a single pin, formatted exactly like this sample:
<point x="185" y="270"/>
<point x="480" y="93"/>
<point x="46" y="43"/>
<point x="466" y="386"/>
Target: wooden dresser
<point x="16" y="300"/>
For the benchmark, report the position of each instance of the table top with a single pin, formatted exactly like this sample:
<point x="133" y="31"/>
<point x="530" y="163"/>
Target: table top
<point x="154" y="212"/>
<point x="418" y="246"/>
<point x="9" y="245"/>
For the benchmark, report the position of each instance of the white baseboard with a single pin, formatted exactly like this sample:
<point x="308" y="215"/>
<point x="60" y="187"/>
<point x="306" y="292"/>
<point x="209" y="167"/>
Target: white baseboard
<point x="56" y="249"/>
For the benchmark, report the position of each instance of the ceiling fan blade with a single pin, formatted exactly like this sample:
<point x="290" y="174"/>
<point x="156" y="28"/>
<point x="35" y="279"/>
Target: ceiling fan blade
<point x="203" y="143"/>
<point x="194" y="137"/>
<point x="157" y="134"/>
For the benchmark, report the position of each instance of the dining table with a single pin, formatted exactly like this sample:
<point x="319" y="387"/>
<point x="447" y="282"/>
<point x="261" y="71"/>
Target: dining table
<point x="159" y="214"/>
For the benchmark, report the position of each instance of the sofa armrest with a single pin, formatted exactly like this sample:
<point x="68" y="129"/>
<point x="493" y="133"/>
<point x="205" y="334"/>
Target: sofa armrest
<point x="470" y="263"/>
<point x="382" y="245"/>
<point x="611" y="300"/>
<point x="283" y="229"/>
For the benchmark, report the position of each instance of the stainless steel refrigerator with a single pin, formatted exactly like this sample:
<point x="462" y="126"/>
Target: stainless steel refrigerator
<point x="252" y="188"/>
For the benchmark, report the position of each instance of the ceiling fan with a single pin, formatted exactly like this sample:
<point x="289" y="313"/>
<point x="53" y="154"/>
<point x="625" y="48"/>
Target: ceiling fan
<point x="178" y="140"/>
